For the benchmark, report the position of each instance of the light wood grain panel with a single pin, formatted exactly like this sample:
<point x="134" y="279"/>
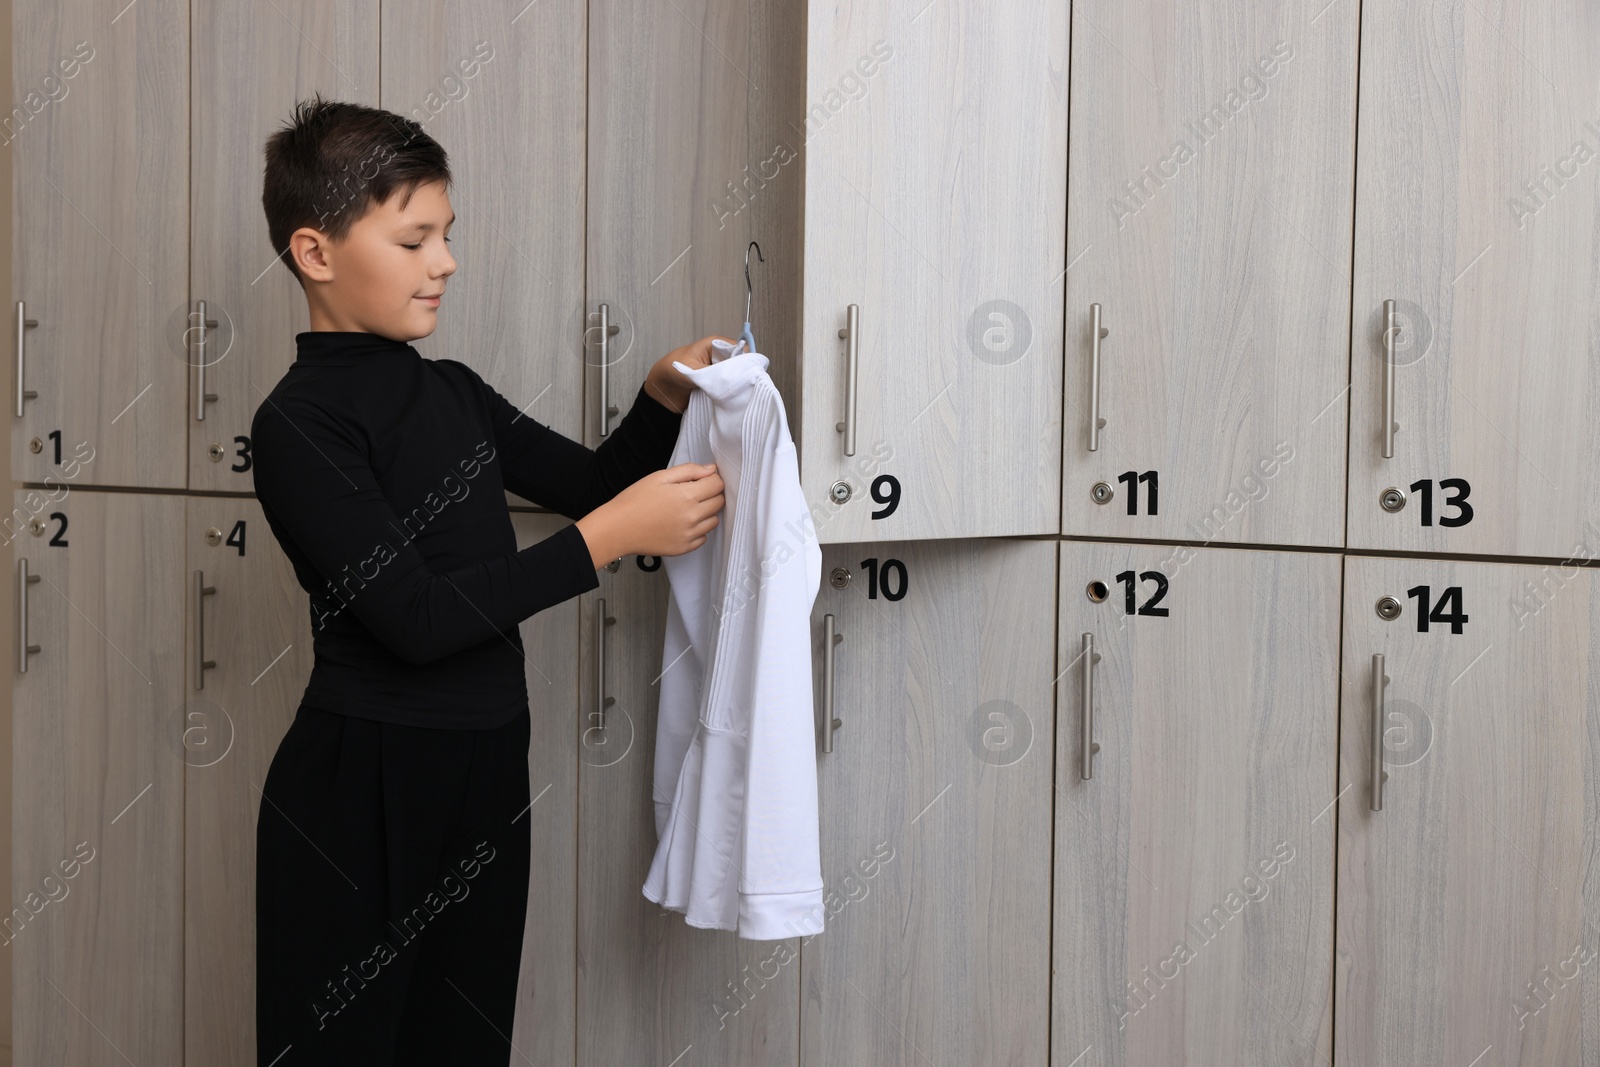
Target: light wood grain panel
<point x="651" y="988"/>
<point x="100" y="253"/>
<point x="936" y="162"/>
<point x="502" y="88"/>
<point x="251" y="63"/>
<point x="1194" y="869"/>
<point x="1469" y="921"/>
<point x="257" y="629"/>
<point x="681" y="129"/>
<point x="1212" y="162"/>
<point x="1476" y="213"/>
<point x="934" y="807"/>
<point x="97" y="776"/>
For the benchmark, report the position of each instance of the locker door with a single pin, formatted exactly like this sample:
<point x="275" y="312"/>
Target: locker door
<point x="94" y="924"/>
<point x="250" y="63"/>
<point x="935" y="202"/>
<point x="1476" y="216"/>
<point x="935" y="805"/>
<point x="1194" y="868"/>
<point x="651" y="988"/>
<point x="502" y="88"/>
<point x="100" y="253"/>
<point x="1467" y="900"/>
<point x="680" y="118"/>
<point x="1213" y="153"/>
<point x="255" y="627"/>
<point x="547" y="990"/>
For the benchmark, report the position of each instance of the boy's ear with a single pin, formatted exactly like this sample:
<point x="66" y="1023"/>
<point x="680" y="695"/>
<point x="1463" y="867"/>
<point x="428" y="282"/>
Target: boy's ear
<point x="309" y="249"/>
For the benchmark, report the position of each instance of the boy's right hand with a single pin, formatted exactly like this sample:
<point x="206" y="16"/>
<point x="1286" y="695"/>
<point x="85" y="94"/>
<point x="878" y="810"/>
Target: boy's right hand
<point x="665" y="513"/>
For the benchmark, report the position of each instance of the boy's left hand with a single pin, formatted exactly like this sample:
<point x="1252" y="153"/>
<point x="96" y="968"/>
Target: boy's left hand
<point x="670" y="385"/>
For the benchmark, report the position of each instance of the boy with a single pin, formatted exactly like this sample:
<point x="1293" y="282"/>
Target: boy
<point x="392" y="852"/>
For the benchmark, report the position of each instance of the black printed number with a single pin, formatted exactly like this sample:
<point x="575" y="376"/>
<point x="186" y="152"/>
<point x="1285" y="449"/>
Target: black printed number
<point x="1460" y="490"/>
<point x="1149" y="606"/>
<point x="653" y="565"/>
<point x="886" y="491"/>
<point x="882" y="578"/>
<point x="1451" y="597"/>
<point x="236" y="537"/>
<point x="1132" y="480"/>
<point x="59" y="539"/>
<point x="244" y="454"/>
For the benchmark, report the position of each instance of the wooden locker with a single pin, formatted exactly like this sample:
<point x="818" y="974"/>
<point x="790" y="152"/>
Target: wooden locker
<point x="249" y="618"/>
<point x="690" y="158"/>
<point x="1212" y="162"/>
<point x="685" y="116"/>
<point x="95" y="922"/>
<point x="100" y="239"/>
<point x="934" y="139"/>
<point x="1193" y="919"/>
<point x="935" y="805"/>
<point x="1467" y="897"/>
<point x="1476" y="215"/>
<point x="651" y="988"/>
<point x="250" y="64"/>
<point x="502" y="88"/>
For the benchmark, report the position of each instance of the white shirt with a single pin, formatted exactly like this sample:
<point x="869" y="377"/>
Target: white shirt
<point x="736" y="758"/>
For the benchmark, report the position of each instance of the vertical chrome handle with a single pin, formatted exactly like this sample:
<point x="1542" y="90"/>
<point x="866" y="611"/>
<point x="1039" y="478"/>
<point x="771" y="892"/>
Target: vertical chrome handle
<point x="1090" y="658"/>
<point x="201" y="664"/>
<point x="607" y="408"/>
<point x="24" y="579"/>
<point x="1096" y="333"/>
<point x="23" y="322"/>
<point x="1379" y="775"/>
<point x="601" y="701"/>
<point x="1389" y="425"/>
<point x="199" y="341"/>
<point x="829" y="723"/>
<point x="851" y="334"/>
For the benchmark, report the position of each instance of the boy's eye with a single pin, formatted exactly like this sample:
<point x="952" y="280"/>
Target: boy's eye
<point x="413" y="247"/>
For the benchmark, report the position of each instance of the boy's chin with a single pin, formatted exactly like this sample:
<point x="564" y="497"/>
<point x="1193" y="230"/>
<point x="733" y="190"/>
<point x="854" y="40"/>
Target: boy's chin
<point x="420" y="324"/>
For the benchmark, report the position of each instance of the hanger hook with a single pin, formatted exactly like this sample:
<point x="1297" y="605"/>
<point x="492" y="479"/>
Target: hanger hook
<point x="748" y="290"/>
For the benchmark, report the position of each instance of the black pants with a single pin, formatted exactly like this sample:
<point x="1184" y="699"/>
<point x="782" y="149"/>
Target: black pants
<point x="391" y="891"/>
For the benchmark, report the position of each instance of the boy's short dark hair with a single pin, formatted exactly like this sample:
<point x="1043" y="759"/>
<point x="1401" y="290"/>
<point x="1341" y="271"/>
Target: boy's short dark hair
<point x="333" y="161"/>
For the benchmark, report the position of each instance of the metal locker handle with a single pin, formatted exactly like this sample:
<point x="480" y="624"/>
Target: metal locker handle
<point x="1090" y="658"/>
<point x="201" y="664"/>
<point x="851" y="334"/>
<point x="1379" y="775"/>
<point x="1096" y="333"/>
<point x="201" y="396"/>
<point x="24" y="579"/>
<point x="829" y="723"/>
<point x="601" y="701"/>
<point x="1389" y="425"/>
<point x="23" y="322"/>
<point x="607" y="409"/>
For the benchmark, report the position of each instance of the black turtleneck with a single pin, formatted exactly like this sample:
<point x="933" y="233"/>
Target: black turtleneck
<point x="383" y="476"/>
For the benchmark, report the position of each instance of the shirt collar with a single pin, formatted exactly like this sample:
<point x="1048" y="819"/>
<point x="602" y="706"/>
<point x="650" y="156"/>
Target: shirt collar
<point x="730" y="370"/>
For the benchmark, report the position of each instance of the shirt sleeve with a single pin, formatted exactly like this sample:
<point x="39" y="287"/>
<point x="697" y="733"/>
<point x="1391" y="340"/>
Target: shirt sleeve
<point x="316" y="485"/>
<point x="554" y="471"/>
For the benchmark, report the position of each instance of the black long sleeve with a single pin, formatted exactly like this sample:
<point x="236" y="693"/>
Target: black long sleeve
<point x="382" y="476"/>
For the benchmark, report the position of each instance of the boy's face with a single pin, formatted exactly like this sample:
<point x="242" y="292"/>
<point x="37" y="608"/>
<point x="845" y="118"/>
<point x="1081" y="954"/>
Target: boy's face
<point x="387" y="274"/>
